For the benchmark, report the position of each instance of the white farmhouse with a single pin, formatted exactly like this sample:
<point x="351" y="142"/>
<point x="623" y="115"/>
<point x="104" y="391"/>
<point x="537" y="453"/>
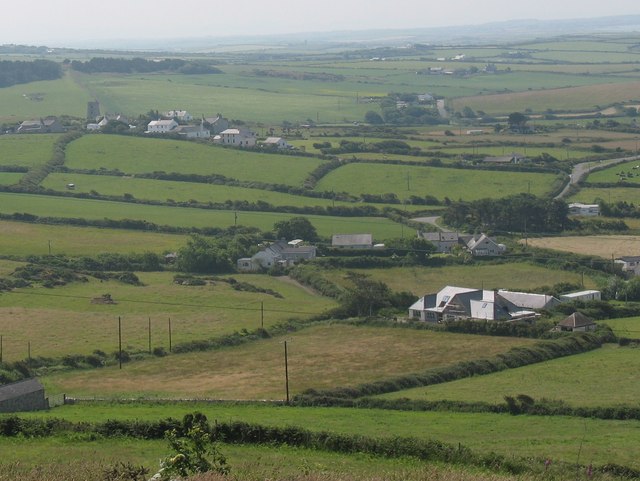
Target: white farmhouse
<point x="236" y="138"/>
<point x="161" y="126"/>
<point x="277" y="143"/>
<point x="181" y="115"/>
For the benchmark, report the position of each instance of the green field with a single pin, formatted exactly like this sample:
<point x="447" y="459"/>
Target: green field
<point x="26" y="150"/>
<point x="64" y="320"/>
<point x="521" y="436"/>
<point x="49" y="206"/>
<point x="439" y="182"/>
<point x="603" y="377"/>
<point x="511" y="276"/>
<point x="319" y="357"/>
<point x="591" y="195"/>
<point x="625" y="327"/>
<point x="23" y="239"/>
<point x="612" y="174"/>
<point x="134" y="155"/>
<point x="10" y="178"/>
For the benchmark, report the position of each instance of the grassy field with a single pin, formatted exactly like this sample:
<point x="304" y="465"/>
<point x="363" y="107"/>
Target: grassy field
<point x="64" y="320"/>
<point x="610" y="194"/>
<point x="439" y="182"/>
<point x="625" y="327"/>
<point x="540" y="437"/>
<point x="595" y="245"/>
<point x="612" y="174"/>
<point x="319" y="357"/>
<point x="10" y="178"/>
<point x="22" y="239"/>
<point x="603" y="377"/>
<point x="512" y="276"/>
<point x="134" y="155"/>
<point x="48" y="206"/>
<point x="26" y="150"/>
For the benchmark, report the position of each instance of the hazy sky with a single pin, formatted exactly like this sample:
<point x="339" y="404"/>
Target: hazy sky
<point x="62" y="22"/>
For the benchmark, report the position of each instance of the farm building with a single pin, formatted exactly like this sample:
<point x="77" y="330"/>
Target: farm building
<point x="477" y="245"/>
<point x="443" y="241"/>
<point x="48" y="125"/>
<point x="576" y="322"/>
<point x="193" y="131"/>
<point x="277" y="143"/>
<point x="454" y="303"/>
<point x="26" y="395"/>
<point x="588" y="295"/>
<point x="216" y="124"/>
<point x="279" y="253"/>
<point x="527" y="300"/>
<point x="577" y="208"/>
<point x="512" y="158"/>
<point x="352" y="241"/>
<point x="161" y="126"/>
<point x="629" y="264"/>
<point x="180" y="115"/>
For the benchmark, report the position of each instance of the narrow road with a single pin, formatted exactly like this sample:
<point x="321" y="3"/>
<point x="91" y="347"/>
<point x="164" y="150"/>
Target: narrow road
<point x="581" y="170"/>
<point x="433" y="220"/>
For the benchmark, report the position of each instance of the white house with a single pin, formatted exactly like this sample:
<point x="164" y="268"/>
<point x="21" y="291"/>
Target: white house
<point x="236" y="138"/>
<point x="483" y="245"/>
<point x="279" y="253"/>
<point x="578" y="208"/>
<point x="181" y="115"/>
<point x="193" y="131"/>
<point x="161" y="126"/>
<point x="277" y="143"/>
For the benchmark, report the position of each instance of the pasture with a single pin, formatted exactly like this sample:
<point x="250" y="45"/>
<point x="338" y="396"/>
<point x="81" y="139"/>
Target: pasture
<point x="23" y="239"/>
<point x="440" y="182"/>
<point x="64" y="320"/>
<point x="626" y="171"/>
<point x="10" y="178"/>
<point x="603" y="377"/>
<point x="422" y="280"/>
<point x="604" y="246"/>
<point x="537" y="437"/>
<point x="319" y="357"/>
<point x="184" y="217"/>
<point x="625" y="327"/>
<point x="26" y="150"/>
<point x="590" y="195"/>
<point x="134" y="155"/>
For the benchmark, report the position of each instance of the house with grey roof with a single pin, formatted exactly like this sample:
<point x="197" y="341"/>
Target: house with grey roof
<point x="477" y="245"/>
<point x="25" y="395"/>
<point x="276" y="143"/>
<point x="236" y="138"/>
<point x="576" y="322"/>
<point x="443" y="241"/>
<point x="630" y="264"/>
<point x="280" y="253"/>
<point x="483" y="245"/>
<point x="48" y="125"/>
<point x="161" y="126"/>
<point x="528" y="300"/>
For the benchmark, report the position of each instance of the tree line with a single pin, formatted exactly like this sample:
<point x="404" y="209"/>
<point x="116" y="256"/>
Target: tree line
<point x="21" y="72"/>
<point x="141" y="65"/>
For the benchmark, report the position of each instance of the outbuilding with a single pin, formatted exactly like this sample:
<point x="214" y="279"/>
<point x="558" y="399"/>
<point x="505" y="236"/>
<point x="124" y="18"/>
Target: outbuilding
<point x="26" y="395"/>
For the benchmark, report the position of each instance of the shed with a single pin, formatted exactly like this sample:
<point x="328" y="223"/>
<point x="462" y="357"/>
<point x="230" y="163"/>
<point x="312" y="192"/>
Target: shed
<point x="576" y="322"/>
<point x="26" y="395"/>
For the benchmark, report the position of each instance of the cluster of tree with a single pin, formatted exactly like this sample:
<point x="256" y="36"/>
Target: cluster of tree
<point x="403" y="109"/>
<point x="19" y="72"/>
<point x="520" y="213"/>
<point x="386" y="146"/>
<point x="619" y="209"/>
<point x="141" y="65"/>
<point x="209" y="255"/>
<point x="366" y="297"/>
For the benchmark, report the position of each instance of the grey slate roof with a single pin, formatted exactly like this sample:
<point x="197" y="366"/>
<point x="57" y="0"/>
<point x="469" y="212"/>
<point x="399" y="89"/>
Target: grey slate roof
<point x="20" y="388"/>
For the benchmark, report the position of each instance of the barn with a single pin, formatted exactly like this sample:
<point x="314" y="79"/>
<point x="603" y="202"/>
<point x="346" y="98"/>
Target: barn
<point x="26" y="395"/>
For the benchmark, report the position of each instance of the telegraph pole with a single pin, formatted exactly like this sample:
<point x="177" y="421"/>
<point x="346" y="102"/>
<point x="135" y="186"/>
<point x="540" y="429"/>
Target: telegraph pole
<point x="286" y="371"/>
<point x="262" y="315"/>
<point x="149" y="335"/>
<point x="169" y="334"/>
<point x="119" y="342"/>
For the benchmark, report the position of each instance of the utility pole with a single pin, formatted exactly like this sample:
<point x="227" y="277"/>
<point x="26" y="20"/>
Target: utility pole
<point x="119" y="342"/>
<point x="149" y="335"/>
<point x="29" y="350"/>
<point x="0" y="347"/>
<point x="50" y="244"/>
<point x="262" y="314"/>
<point x="169" y="334"/>
<point x="286" y="370"/>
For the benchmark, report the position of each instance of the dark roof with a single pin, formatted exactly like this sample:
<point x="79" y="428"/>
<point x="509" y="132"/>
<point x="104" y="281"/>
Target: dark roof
<point x="20" y="388"/>
<point x="577" y="319"/>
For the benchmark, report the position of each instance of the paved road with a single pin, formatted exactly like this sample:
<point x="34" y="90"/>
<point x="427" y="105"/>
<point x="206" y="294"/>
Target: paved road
<point x="581" y="170"/>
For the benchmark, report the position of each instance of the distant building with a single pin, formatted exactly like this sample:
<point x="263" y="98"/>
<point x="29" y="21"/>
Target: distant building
<point x="26" y="395"/>
<point x="48" y="125"/>
<point x="193" y="131"/>
<point x="478" y="245"/>
<point x="281" y="253"/>
<point x="576" y="322"/>
<point x="236" y="138"/>
<point x="629" y="264"/>
<point x="277" y="143"/>
<point x="527" y="300"/>
<point x="216" y="124"/>
<point x="443" y="241"/>
<point x="578" y="208"/>
<point x="161" y="126"/>
<point x="180" y="115"/>
<point x="512" y="158"/>
<point x="93" y="110"/>
<point x="352" y="241"/>
<point x="585" y="296"/>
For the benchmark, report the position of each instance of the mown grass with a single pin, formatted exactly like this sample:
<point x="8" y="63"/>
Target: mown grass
<point x="183" y="217"/>
<point x="603" y="377"/>
<point x="625" y="327"/>
<point x="64" y="321"/>
<point x="596" y="245"/>
<point x="10" y="178"/>
<point x="134" y="155"/>
<point x="23" y="239"/>
<point x="405" y="181"/>
<point x="423" y="280"/>
<point x="26" y="150"/>
<point x="319" y="357"/>
<point x="557" y="438"/>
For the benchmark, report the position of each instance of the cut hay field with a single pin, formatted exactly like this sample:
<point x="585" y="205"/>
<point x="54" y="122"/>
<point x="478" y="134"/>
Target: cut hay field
<point x="134" y="155"/>
<point x="23" y="239"/>
<point x="569" y="98"/>
<point x="441" y="182"/>
<point x="26" y="150"/>
<point x="324" y="356"/>
<point x="594" y="245"/>
<point x="49" y="206"/>
<point x="512" y="276"/>
<point x="64" y="321"/>
<point x="537" y="437"/>
<point x="603" y="377"/>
